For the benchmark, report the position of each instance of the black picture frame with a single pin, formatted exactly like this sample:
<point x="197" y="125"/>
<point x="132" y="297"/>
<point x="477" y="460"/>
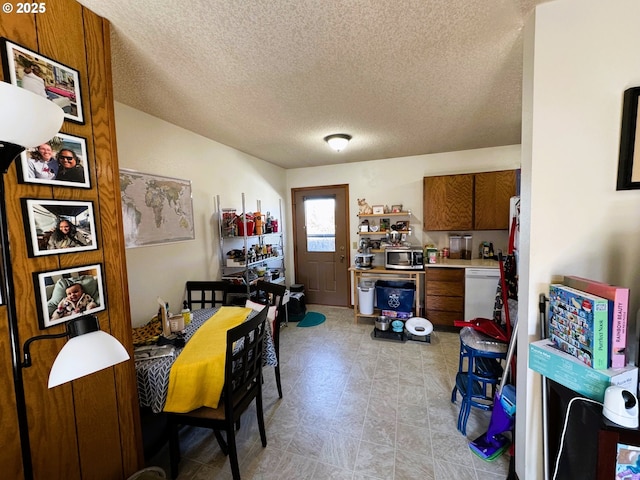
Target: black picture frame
<point x="628" y="167"/>
<point x="61" y="143"/>
<point x="61" y="83"/>
<point x="51" y="289"/>
<point x="42" y="218"/>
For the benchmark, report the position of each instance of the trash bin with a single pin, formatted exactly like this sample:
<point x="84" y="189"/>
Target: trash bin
<point x="366" y="292"/>
<point x="395" y="295"/>
<point x="296" y="306"/>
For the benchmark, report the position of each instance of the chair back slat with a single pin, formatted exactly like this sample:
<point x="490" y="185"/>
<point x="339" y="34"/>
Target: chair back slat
<point x="206" y="294"/>
<point x="243" y="367"/>
<point x="273" y="293"/>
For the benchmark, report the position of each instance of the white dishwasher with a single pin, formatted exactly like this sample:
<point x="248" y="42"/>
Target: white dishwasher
<point x="480" y="285"/>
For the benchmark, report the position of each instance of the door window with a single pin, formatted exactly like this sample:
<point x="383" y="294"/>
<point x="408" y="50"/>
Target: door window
<point x="320" y="224"/>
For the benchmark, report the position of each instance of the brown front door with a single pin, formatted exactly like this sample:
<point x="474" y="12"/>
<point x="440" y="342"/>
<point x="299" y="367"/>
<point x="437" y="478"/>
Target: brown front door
<point x="321" y="240"/>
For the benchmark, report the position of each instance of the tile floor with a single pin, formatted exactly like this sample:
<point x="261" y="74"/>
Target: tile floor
<point x="354" y="408"/>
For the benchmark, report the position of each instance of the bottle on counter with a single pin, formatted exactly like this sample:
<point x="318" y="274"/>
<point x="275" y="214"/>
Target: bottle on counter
<point x="186" y="313"/>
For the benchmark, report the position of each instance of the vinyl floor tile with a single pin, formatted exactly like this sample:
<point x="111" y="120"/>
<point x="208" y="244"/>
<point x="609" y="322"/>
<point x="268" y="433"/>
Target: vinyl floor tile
<point x="354" y="408"/>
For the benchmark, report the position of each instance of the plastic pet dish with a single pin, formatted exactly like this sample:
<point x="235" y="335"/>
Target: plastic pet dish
<point x="397" y="325"/>
<point x="419" y="326"/>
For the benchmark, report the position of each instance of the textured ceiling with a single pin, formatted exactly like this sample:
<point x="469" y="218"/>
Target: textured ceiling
<point x="273" y="77"/>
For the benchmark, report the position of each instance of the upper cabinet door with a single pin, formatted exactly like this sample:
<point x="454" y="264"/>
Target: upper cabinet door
<point x="492" y="193"/>
<point x="448" y="202"/>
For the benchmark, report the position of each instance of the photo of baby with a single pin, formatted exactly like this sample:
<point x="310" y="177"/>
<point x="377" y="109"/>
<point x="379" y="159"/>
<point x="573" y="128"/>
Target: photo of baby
<point x="76" y="301"/>
<point x="67" y="294"/>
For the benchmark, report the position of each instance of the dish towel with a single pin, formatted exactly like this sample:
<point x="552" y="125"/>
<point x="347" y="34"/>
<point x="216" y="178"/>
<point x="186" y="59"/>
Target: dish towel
<point x="197" y="376"/>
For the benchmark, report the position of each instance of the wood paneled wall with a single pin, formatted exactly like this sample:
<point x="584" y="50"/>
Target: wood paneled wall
<point x="90" y="428"/>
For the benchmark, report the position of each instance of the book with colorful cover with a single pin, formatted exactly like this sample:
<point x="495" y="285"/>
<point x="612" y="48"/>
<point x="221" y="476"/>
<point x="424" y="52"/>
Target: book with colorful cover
<point x="578" y="324"/>
<point x="618" y="314"/>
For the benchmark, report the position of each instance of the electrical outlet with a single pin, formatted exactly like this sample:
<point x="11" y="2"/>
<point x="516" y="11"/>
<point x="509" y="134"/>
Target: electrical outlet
<point x="355" y="245"/>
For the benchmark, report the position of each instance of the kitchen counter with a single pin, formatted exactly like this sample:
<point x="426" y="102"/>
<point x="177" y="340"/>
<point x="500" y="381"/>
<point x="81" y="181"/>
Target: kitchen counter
<point x="458" y="263"/>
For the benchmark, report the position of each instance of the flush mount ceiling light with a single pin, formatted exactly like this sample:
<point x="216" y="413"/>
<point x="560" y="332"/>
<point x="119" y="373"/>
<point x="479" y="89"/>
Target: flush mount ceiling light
<point x="338" y="141"/>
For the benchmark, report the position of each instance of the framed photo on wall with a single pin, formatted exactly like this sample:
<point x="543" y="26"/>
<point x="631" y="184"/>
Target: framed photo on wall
<point x="59" y="226"/>
<point x="629" y="161"/>
<point x="43" y="76"/>
<point x="62" y="161"/>
<point x="66" y="294"/>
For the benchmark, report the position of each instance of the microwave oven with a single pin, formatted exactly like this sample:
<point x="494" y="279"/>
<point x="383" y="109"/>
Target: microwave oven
<point x="403" y="258"/>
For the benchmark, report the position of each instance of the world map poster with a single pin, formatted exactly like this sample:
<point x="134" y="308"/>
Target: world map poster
<point x="155" y="209"/>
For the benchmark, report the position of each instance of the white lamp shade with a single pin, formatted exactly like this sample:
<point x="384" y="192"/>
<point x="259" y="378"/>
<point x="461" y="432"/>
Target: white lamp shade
<point x="86" y="354"/>
<point x="27" y="119"/>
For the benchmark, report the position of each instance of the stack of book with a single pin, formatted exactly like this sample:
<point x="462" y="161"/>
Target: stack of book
<point x="588" y="320"/>
<point x="585" y="348"/>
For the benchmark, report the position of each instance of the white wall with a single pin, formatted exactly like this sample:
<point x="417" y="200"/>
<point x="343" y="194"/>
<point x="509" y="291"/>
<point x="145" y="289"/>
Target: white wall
<point x="150" y="145"/>
<point x="580" y="56"/>
<point x="399" y="181"/>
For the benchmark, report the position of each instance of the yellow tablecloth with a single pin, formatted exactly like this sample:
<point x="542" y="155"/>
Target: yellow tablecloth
<point x="197" y="376"/>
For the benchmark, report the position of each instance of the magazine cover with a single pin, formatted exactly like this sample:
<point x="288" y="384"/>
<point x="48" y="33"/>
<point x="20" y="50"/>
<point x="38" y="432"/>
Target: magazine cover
<point x="628" y="462"/>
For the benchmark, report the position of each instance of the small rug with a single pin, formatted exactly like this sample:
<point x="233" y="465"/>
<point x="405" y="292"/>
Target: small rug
<point x="311" y="319"/>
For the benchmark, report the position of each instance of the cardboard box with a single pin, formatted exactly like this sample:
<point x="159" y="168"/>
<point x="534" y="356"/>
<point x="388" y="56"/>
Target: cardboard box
<point x="397" y="315"/>
<point x="567" y="370"/>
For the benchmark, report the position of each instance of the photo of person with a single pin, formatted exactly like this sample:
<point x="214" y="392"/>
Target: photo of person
<point x="44" y="77"/>
<point x="70" y="293"/>
<point x="67" y="235"/>
<point x="59" y="226"/>
<point x="42" y="163"/>
<point x="61" y="161"/>
<point x="76" y="301"/>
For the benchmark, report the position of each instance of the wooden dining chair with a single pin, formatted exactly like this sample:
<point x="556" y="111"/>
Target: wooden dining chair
<point x="207" y="294"/>
<point x="273" y="294"/>
<point x="242" y="384"/>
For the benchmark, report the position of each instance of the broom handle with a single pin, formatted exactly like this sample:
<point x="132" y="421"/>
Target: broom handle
<point x="510" y="351"/>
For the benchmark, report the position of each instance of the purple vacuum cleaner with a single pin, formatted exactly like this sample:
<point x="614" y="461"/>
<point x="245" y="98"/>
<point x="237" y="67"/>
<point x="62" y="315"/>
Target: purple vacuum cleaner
<point x="493" y="443"/>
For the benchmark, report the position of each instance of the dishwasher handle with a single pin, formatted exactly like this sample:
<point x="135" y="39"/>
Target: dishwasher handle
<point x="481" y="273"/>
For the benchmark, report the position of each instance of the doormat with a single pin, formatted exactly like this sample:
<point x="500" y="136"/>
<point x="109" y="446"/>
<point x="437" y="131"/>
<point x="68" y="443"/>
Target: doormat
<point x="311" y="319"/>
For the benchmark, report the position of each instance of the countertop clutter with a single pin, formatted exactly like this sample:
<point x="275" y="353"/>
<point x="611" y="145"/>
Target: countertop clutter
<point x="460" y="263"/>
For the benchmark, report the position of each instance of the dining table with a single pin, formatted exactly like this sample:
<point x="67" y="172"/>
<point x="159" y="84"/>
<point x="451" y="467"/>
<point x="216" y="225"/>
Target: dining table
<point x="153" y="371"/>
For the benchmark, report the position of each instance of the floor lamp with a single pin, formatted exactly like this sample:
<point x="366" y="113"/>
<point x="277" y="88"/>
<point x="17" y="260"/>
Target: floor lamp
<point x="29" y="120"/>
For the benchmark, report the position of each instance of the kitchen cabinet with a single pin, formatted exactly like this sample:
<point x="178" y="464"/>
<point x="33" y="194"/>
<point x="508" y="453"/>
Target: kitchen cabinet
<point x="448" y="202"/>
<point x="444" y="295"/>
<point x="492" y="193"/>
<point x="473" y="201"/>
<point x="261" y="253"/>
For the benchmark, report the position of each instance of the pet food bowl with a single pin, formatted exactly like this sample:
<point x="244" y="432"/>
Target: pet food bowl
<point x="382" y="323"/>
<point x="397" y="325"/>
<point x="419" y="326"/>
